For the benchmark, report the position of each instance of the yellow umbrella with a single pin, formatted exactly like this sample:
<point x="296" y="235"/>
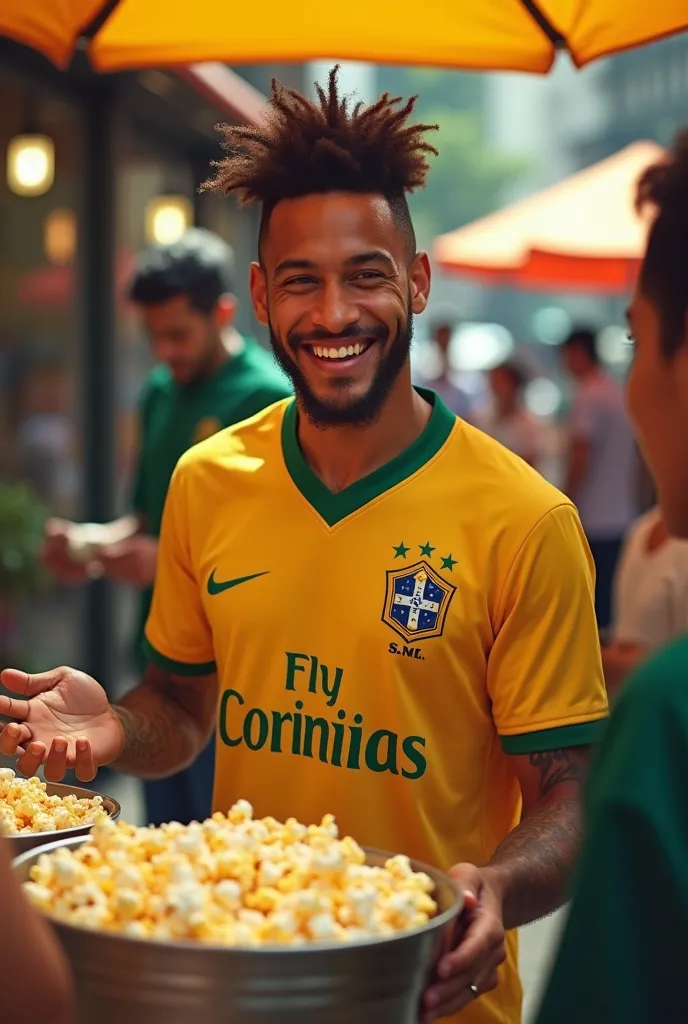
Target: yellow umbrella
<point x="51" y="26"/>
<point x="489" y="34"/>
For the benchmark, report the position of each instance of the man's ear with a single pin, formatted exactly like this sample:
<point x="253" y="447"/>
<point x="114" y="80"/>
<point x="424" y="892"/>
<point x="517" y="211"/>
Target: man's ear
<point x="259" y="293"/>
<point x="419" y="282"/>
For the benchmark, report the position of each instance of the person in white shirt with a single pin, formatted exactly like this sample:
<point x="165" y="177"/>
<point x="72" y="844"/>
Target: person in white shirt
<point x="508" y="421"/>
<point x="650" y="597"/>
<point x="603" y="468"/>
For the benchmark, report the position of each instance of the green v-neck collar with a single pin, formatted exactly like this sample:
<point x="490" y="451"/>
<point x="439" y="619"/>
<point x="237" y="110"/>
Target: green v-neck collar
<point x="335" y="507"/>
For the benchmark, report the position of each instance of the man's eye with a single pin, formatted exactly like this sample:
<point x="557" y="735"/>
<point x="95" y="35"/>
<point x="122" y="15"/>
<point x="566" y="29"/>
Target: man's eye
<point x="368" y="275"/>
<point x="303" y="279"/>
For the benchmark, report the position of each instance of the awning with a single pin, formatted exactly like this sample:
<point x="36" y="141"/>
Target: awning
<point x="582" y="234"/>
<point x="226" y="90"/>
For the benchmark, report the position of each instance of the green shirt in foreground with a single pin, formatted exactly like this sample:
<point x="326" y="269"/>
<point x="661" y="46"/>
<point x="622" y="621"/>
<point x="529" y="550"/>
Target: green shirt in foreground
<point x="173" y="418"/>
<point x="624" y="951"/>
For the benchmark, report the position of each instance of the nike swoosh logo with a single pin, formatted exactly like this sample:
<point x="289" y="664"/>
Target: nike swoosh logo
<point x="215" y="587"/>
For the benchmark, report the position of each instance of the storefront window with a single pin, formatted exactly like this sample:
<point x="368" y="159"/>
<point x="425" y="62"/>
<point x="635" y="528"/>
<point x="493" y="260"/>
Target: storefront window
<point x="39" y="351"/>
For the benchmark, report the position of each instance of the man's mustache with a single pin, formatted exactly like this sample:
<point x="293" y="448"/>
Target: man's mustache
<point x="378" y="331"/>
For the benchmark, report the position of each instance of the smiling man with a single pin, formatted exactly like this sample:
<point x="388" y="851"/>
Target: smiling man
<point x="393" y="614"/>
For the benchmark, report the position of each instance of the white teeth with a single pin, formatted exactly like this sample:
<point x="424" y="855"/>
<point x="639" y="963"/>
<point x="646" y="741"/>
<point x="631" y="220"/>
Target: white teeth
<point x="345" y="352"/>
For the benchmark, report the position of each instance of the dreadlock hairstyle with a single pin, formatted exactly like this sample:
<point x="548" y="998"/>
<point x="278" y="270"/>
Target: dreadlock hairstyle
<point x="664" y="275"/>
<point x="304" y="148"/>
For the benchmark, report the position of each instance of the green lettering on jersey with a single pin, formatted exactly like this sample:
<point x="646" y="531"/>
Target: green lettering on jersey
<point x="336" y="743"/>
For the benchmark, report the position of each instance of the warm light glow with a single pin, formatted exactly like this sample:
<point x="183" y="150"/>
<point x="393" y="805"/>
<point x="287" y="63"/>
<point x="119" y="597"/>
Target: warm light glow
<point x="59" y="237"/>
<point x="167" y="218"/>
<point x="30" y="164"/>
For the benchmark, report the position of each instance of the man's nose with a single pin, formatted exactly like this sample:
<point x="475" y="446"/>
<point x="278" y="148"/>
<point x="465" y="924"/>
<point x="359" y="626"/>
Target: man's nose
<point x="334" y="309"/>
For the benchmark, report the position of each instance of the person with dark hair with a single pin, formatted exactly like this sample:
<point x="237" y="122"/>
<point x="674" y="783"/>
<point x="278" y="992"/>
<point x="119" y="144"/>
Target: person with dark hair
<point x="622" y="958"/>
<point x="603" y="471"/>
<point x="386" y="614"/>
<point x="508" y="420"/>
<point x="207" y="377"/>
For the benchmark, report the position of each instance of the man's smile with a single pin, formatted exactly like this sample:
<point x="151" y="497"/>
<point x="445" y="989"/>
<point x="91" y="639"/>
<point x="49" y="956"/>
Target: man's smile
<point x="335" y="356"/>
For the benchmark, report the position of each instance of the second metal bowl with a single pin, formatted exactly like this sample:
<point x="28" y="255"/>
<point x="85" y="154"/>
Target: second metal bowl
<point x="30" y="840"/>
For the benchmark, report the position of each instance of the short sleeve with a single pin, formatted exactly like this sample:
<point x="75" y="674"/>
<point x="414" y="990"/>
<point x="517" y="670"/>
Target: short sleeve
<point x="544" y="673"/>
<point x="583" y="423"/>
<point x="178" y="636"/>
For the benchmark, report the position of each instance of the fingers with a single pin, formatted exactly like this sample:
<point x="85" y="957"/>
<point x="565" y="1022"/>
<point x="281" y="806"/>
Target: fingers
<point x="15" y="741"/>
<point x="57" y="528"/>
<point x="450" y="998"/>
<point x="12" y="737"/>
<point x="14" y="708"/>
<point x="31" y="758"/>
<point x="485" y="937"/>
<point x="56" y="762"/>
<point x="84" y="764"/>
<point x="21" y="682"/>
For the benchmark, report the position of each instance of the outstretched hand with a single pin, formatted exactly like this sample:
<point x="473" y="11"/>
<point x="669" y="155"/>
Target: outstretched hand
<point x="66" y="722"/>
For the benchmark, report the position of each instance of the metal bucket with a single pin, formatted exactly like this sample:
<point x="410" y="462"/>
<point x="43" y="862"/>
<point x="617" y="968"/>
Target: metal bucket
<point x="146" y="982"/>
<point x="30" y="840"/>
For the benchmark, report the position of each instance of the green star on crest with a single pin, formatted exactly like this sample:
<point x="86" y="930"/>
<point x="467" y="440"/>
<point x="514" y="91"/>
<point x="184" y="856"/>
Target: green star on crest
<point x="448" y="562"/>
<point x="426" y="549"/>
<point x="400" y="550"/>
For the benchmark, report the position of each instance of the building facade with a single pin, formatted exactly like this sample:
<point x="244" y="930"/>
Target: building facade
<point x="129" y="152"/>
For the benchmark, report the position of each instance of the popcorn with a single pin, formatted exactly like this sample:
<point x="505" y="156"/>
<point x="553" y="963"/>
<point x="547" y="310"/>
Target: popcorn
<point x="230" y="880"/>
<point x="26" y="807"/>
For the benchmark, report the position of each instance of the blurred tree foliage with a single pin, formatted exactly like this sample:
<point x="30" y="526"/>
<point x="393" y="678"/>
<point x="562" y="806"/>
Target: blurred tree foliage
<point x="22" y="517"/>
<point x="22" y="576"/>
<point x="468" y="177"/>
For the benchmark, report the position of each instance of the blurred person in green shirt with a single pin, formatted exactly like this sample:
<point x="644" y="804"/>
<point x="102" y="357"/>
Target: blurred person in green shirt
<point x="207" y="377"/>
<point x="623" y="954"/>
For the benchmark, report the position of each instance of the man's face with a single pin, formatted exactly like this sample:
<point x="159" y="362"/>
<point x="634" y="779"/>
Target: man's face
<point x="182" y="337"/>
<point x="338" y="287"/>
<point x="657" y="397"/>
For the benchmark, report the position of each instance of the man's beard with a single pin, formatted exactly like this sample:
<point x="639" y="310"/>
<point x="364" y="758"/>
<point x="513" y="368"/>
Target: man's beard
<point x="361" y="411"/>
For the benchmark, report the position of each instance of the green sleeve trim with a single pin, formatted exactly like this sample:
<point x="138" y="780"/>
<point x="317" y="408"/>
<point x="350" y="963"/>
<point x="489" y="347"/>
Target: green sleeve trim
<point x="180" y="668"/>
<point x="581" y="735"/>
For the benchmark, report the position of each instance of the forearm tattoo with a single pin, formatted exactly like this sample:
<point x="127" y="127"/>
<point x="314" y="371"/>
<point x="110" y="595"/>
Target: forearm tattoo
<point x="165" y="726"/>
<point x="535" y="860"/>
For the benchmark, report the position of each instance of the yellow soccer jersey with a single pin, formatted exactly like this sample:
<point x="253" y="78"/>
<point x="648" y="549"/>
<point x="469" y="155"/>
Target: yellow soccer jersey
<point x="381" y="651"/>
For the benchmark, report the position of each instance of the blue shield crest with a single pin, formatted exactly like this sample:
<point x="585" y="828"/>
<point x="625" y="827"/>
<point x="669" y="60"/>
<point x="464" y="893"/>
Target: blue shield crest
<point x="417" y="600"/>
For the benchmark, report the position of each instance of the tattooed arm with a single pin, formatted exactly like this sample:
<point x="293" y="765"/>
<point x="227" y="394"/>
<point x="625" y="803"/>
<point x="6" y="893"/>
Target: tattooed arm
<point x="525" y="879"/>
<point x="167" y="721"/>
<point x="531" y="867"/>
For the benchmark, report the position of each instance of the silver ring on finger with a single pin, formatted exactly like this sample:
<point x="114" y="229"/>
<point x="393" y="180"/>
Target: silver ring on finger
<point x="474" y="990"/>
